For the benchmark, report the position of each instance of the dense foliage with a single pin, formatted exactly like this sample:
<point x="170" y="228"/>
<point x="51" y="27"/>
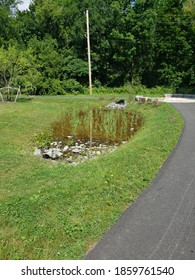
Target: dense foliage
<point x="149" y="42"/>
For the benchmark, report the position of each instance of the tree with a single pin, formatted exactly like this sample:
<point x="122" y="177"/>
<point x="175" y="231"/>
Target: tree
<point x="175" y="45"/>
<point x="189" y="8"/>
<point x="142" y="41"/>
<point x="7" y="21"/>
<point x="14" y="64"/>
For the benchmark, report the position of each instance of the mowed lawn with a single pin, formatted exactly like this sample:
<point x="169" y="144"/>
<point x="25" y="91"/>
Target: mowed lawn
<point x="51" y="210"/>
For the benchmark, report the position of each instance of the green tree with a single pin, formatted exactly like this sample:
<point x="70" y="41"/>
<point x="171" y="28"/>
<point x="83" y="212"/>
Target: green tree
<point x="15" y="67"/>
<point x="7" y="21"/>
<point x="142" y="41"/>
<point x="174" y="51"/>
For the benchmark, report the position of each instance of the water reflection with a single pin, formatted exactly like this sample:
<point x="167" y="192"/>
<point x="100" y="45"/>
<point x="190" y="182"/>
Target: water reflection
<point x="110" y="127"/>
<point x="81" y="135"/>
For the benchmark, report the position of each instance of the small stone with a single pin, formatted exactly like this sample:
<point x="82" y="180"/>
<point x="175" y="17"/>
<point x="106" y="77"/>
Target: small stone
<point x="75" y="163"/>
<point x="52" y="153"/>
<point x="37" y="152"/>
<point x="66" y="148"/>
<point x="121" y="102"/>
<point x="69" y="159"/>
<point x="54" y="144"/>
<point x="45" y="155"/>
<point x="76" y="151"/>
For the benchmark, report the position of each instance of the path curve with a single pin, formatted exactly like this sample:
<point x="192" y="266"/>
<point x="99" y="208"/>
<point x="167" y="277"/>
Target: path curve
<point x="160" y="224"/>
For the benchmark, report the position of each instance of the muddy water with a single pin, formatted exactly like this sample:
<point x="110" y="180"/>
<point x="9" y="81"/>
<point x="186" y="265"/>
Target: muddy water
<point x="107" y="127"/>
<point x="82" y="135"/>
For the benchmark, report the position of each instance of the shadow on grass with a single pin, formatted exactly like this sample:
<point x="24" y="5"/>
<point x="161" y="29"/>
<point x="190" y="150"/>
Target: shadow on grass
<point x="24" y="99"/>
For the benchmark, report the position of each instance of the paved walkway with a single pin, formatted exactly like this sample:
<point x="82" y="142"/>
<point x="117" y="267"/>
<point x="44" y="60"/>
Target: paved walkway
<point x="178" y="100"/>
<point x="161" y="223"/>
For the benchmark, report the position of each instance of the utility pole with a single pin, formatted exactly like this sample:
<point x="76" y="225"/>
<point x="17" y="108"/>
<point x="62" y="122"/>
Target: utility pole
<point x="89" y="53"/>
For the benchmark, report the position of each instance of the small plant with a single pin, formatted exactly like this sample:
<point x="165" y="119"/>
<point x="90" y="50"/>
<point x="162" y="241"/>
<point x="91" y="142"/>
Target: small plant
<point x="44" y="138"/>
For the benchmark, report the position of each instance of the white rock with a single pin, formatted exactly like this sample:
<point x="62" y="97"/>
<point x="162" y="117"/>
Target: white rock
<point x="66" y="148"/>
<point x="37" y="152"/>
<point x="53" y="153"/>
<point x="76" y="151"/>
<point x="54" y="144"/>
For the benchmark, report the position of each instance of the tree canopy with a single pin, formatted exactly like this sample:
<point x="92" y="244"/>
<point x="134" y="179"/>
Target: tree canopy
<point x="149" y="42"/>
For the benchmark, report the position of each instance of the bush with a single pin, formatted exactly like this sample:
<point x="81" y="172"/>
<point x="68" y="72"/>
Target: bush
<point x="72" y="86"/>
<point x="186" y="90"/>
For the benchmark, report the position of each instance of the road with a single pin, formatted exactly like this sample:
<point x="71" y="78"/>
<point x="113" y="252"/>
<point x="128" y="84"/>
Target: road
<point x="160" y="224"/>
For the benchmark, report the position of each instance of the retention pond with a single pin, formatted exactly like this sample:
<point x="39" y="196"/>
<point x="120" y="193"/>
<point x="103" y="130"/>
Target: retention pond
<point x="80" y="135"/>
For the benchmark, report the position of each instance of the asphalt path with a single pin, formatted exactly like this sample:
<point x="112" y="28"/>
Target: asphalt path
<point x="160" y="224"/>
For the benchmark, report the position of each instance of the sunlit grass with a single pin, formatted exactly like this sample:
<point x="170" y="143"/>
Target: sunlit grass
<point x="55" y="211"/>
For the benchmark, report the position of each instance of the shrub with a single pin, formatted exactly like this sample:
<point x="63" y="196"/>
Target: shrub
<point x="186" y="90"/>
<point x="72" y="86"/>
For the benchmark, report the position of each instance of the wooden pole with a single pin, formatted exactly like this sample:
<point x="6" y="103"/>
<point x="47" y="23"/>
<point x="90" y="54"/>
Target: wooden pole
<point x="1" y="97"/>
<point x="91" y="129"/>
<point x="89" y="53"/>
<point x="18" y="92"/>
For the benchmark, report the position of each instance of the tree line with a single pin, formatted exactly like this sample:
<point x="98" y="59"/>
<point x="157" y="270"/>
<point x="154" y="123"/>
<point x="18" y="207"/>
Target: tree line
<point x="148" y="42"/>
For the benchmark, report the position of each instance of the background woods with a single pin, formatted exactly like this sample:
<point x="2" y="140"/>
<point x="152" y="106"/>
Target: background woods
<point x="148" y="42"/>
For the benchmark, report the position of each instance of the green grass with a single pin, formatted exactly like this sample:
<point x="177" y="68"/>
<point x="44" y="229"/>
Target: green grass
<point x="55" y="211"/>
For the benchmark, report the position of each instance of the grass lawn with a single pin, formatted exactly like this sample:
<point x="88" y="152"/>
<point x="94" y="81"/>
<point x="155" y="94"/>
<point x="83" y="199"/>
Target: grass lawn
<point x="56" y="211"/>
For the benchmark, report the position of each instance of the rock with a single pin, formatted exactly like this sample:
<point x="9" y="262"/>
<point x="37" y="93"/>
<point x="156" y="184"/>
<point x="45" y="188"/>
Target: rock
<point x="168" y="95"/>
<point x="69" y="159"/>
<point x="54" y="144"/>
<point x="76" y="150"/>
<point x="37" y="152"/>
<point x="120" y="105"/>
<point x="57" y="153"/>
<point x="45" y="155"/>
<point x="52" y="153"/>
<point x="82" y="145"/>
<point x="66" y="148"/>
<point x="121" y="102"/>
<point x="140" y="98"/>
<point x="75" y="163"/>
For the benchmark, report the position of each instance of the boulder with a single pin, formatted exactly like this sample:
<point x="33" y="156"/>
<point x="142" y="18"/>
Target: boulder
<point x="121" y="102"/>
<point x="53" y="153"/>
<point x="37" y="151"/>
<point x="66" y="148"/>
<point x="76" y="150"/>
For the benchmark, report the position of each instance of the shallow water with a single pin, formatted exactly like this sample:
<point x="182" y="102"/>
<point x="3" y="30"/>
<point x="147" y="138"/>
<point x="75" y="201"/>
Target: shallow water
<point x="81" y="135"/>
<point x="109" y="127"/>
